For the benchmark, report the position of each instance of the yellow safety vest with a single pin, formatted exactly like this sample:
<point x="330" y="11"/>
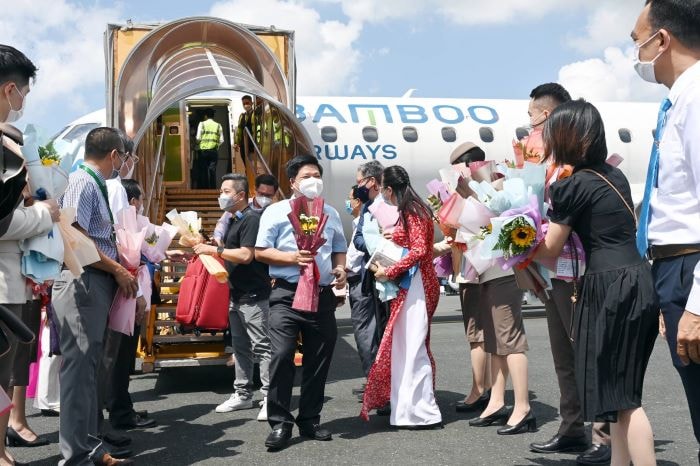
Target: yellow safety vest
<point x="211" y="132"/>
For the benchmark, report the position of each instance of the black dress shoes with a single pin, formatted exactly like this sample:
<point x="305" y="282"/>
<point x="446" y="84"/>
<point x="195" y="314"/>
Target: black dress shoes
<point x="115" y="439"/>
<point x="278" y="438"/>
<point x="560" y="444"/>
<point x="499" y="418"/>
<point x="384" y="410"/>
<point x="526" y="424"/>
<point x="13" y="439"/>
<point x="435" y="426"/>
<point x="597" y="454"/>
<point x="50" y="413"/>
<point x="134" y="422"/>
<point x="315" y="432"/>
<point x="478" y="405"/>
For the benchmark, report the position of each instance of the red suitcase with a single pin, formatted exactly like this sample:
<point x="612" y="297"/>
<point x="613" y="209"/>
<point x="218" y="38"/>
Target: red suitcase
<point x="202" y="303"/>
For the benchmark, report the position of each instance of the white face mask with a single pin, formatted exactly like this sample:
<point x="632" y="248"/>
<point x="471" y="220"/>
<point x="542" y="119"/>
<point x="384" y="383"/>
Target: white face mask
<point x="645" y="69"/>
<point x="311" y="188"/>
<point x="263" y="201"/>
<point x="141" y="210"/>
<point x="226" y="202"/>
<point x="14" y="115"/>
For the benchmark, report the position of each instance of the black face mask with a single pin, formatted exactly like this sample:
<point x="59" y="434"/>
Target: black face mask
<point x="361" y="193"/>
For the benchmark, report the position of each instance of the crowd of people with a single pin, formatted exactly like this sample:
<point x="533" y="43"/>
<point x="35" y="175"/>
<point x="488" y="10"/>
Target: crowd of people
<point x="289" y="265"/>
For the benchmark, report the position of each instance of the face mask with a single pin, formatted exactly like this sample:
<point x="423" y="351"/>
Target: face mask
<point x="311" y="188"/>
<point x="348" y="206"/>
<point x="141" y="210"/>
<point x="532" y="126"/>
<point x="362" y="193"/>
<point x="247" y="108"/>
<point x="115" y="171"/>
<point x="263" y="201"/>
<point x="226" y="202"/>
<point x="645" y="69"/>
<point x="13" y="114"/>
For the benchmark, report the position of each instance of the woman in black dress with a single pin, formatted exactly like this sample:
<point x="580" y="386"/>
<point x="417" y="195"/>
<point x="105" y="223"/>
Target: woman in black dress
<point x="616" y="311"/>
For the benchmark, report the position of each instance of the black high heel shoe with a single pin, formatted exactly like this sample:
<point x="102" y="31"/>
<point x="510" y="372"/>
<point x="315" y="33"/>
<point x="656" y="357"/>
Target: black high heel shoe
<point x="527" y="424"/>
<point x="13" y="439"/>
<point x="499" y="418"/>
<point x="479" y="404"/>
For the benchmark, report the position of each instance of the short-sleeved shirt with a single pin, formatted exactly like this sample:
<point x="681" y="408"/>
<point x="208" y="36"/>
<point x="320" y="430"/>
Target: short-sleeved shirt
<point x="276" y="232"/>
<point x="587" y="204"/>
<point x="92" y="211"/>
<point x="245" y="279"/>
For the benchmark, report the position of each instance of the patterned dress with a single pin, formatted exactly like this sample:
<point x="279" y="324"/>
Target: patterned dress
<point x="411" y="315"/>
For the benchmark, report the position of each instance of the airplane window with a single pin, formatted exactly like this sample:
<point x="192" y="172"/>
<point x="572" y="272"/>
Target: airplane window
<point x="486" y="134"/>
<point x="449" y="134"/>
<point x="369" y="133"/>
<point x="410" y="134"/>
<point x="58" y="134"/>
<point x="521" y="132"/>
<point x="329" y="134"/>
<point x="80" y="131"/>
<point x="625" y="135"/>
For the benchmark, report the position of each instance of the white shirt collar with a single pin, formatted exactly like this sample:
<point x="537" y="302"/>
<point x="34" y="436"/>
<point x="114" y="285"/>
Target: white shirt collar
<point x="683" y="81"/>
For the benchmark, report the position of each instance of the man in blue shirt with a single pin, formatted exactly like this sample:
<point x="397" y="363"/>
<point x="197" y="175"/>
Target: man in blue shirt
<point x="82" y="303"/>
<point x="276" y="245"/>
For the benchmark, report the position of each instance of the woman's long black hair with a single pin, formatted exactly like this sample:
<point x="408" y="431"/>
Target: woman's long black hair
<point x="408" y="201"/>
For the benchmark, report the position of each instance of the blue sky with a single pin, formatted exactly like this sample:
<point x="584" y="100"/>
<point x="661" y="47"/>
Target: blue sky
<point x="443" y="48"/>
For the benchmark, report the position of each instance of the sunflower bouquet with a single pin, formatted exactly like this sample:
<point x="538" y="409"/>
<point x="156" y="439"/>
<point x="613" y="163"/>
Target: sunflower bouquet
<point x="514" y="233"/>
<point x="48" y="155"/>
<point x="516" y="237"/>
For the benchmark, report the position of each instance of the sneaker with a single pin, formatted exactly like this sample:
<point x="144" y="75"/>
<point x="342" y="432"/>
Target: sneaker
<point x="262" y="415"/>
<point x="234" y="404"/>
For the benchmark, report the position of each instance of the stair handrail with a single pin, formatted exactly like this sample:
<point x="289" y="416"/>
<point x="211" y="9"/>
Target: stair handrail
<point x="249" y="137"/>
<point x="157" y="169"/>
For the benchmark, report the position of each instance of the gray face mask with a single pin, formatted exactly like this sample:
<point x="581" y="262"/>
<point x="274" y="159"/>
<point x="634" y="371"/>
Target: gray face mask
<point x="226" y="202"/>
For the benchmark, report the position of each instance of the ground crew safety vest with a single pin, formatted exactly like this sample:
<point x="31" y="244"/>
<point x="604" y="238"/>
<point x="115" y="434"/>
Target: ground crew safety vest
<point x="211" y="132"/>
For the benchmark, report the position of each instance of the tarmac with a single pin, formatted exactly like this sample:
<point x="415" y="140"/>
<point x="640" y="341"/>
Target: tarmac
<point x="182" y="401"/>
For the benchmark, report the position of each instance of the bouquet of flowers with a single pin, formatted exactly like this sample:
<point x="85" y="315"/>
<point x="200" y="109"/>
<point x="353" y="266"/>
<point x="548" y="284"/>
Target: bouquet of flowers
<point x="78" y="250"/>
<point x="157" y="240"/>
<point x="188" y="225"/>
<point x="129" y="240"/>
<point x="308" y="230"/>
<point x="47" y="169"/>
<point x="515" y="232"/>
<point x="47" y="172"/>
<point x="529" y="149"/>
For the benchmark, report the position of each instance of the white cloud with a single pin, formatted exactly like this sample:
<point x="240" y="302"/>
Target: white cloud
<point x="609" y="24"/>
<point x="63" y="38"/>
<point x="327" y="58"/>
<point x="610" y="78"/>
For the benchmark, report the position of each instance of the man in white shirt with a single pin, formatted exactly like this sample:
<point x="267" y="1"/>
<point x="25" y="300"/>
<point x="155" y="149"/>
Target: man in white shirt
<point x="667" y="39"/>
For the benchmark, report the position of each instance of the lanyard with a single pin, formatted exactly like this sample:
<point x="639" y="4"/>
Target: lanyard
<point x="103" y="189"/>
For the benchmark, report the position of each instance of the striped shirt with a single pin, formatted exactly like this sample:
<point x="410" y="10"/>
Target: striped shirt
<point x="92" y="211"/>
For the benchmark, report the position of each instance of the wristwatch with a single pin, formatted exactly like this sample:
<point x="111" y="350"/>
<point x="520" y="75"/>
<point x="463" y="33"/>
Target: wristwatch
<point x="219" y="251"/>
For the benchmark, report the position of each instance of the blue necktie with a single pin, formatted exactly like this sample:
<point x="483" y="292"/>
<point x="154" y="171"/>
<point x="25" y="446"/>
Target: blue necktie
<point x="652" y="180"/>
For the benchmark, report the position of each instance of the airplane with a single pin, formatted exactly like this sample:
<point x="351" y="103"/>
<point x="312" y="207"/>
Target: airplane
<point x="416" y="133"/>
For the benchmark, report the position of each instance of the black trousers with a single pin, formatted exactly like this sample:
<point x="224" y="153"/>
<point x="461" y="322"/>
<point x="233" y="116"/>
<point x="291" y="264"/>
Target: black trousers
<point x="318" y="333"/>
<point x="206" y="168"/>
<point x="673" y="278"/>
<point x="119" y="403"/>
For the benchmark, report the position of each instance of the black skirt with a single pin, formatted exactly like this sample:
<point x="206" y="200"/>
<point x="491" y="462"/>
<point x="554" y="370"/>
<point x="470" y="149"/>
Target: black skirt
<point x="615" y="325"/>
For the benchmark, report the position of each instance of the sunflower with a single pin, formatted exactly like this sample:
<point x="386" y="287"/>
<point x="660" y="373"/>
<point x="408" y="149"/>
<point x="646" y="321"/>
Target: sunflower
<point x="523" y="236"/>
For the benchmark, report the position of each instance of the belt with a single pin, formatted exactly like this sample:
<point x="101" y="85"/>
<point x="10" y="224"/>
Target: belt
<point x="672" y="250"/>
<point x="285" y="285"/>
